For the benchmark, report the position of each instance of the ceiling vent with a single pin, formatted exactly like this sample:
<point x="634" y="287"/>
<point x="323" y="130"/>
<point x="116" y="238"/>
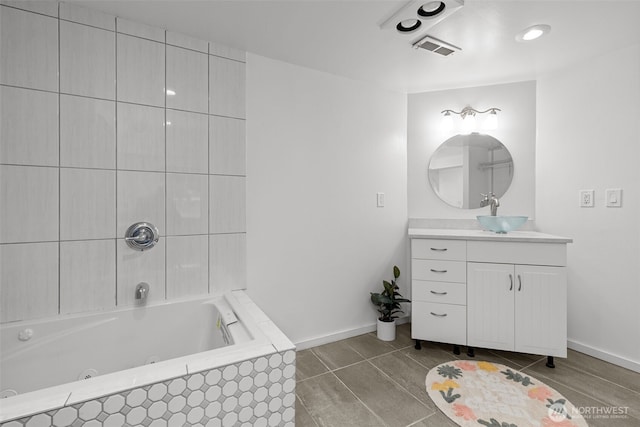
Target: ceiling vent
<point x="418" y="16"/>
<point x="434" y="45"/>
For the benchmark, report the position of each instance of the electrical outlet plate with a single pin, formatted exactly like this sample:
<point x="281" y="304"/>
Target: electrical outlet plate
<point x="613" y="197"/>
<point x="380" y="200"/>
<point x="586" y="198"/>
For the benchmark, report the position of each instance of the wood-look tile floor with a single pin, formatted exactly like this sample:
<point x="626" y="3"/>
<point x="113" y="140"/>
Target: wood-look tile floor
<point x="363" y="381"/>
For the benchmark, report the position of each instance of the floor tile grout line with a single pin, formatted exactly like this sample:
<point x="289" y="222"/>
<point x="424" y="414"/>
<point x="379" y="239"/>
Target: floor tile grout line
<point x="398" y="384"/>
<point x="306" y="409"/>
<point x="570" y="387"/>
<point x="577" y="391"/>
<point x="359" y="400"/>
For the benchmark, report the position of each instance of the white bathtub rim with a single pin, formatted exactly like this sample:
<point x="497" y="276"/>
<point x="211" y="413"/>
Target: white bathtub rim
<point x="56" y="397"/>
<point x="114" y="311"/>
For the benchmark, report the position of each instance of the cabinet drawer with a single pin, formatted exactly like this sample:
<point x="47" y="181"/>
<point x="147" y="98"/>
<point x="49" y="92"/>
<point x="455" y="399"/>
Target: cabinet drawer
<point x="439" y="322"/>
<point x="439" y="292"/>
<point x="518" y="253"/>
<point x="454" y="250"/>
<point x="439" y="271"/>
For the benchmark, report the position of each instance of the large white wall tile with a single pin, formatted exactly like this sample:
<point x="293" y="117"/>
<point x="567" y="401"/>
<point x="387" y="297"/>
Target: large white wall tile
<point x="140" y="30"/>
<point x="135" y="266"/>
<point x="226" y="87"/>
<point x="227" y="146"/>
<point x="87" y="275"/>
<point x="187" y="84"/>
<point x="140" y="71"/>
<point x="187" y="204"/>
<point x="87" y="61"/>
<point x="87" y="204"/>
<point x="28" y="49"/>
<point x="187" y="142"/>
<point x="87" y="132"/>
<point x="84" y="15"/>
<point x="227" y="204"/>
<point x="140" y="132"/>
<point x="29" y="208"/>
<point x="187" y="265"/>
<point x="28" y="281"/>
<point x="227" y="52"/>
<point x="140" y="197"/>
<point x="45" y="7"/>
<point x="181" y="40"/>
<point x="28" y="127"/>
<point x="227" y="262"/>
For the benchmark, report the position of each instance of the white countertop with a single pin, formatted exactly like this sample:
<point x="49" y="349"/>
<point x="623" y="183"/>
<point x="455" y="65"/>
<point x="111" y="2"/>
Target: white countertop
<point x="462" y="234"/>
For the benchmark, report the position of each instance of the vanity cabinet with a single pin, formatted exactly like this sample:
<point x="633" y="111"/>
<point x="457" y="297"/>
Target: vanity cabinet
<point x="505" y="292"/>
<point x="517" y="307"/>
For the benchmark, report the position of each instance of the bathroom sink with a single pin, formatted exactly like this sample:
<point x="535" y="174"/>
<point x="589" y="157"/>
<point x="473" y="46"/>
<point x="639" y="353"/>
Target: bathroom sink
<point x="501" y="224"/>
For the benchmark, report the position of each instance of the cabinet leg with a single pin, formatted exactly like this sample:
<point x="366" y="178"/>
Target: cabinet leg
<point x="418" y="345"/>
<point x="471" y="352"/>
<point x="550" y="363"/>
<point x="456" y="349"/>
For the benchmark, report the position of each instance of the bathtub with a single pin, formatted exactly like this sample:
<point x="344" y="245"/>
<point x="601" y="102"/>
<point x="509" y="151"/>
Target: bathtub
<point x="179" y="363"/>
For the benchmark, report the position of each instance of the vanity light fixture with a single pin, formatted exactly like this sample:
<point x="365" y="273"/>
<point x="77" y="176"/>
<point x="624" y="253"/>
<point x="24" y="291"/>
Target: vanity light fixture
<point x="468" y="115"/>
<point x="532" y="33"/>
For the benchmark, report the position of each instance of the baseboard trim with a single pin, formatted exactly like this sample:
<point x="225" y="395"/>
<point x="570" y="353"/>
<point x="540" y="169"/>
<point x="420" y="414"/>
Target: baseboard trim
<point x="603" y="355"/>
<point x="349" y="333"/>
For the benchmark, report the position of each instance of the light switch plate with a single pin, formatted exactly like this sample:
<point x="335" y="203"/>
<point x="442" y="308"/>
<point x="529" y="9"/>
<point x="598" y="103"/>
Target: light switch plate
<point x="613" y="197"/>
<point x="586" y="198"/>
<point x="380" y="200"/>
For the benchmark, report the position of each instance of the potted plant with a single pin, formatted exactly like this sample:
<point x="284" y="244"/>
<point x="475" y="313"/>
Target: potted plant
<point x="388" y="305"/>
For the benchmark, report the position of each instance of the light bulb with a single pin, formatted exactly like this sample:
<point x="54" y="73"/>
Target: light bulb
<point x="491" y="123"/>
<point x="469" y="123"/>
<point x="447" y="122"/>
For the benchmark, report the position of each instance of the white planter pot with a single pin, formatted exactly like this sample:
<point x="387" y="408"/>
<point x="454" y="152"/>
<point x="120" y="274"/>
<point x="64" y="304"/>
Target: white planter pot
<point x="386" y="330"/>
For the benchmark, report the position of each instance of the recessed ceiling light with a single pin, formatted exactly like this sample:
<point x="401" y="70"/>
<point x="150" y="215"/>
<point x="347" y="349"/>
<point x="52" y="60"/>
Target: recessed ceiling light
<point x="171" y="92"/>
<point x="408" y="25"/>
<point x="431" y="9"/>
<point x="533" y="32"/>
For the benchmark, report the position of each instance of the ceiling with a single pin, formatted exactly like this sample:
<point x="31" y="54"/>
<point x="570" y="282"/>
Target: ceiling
<point x="344" y="37"/>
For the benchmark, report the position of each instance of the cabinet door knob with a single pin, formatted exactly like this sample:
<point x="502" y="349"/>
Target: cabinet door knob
<point x="439" y="249"/>
<point x="511" y="280"/>
<point x="438" y="271"/>
<point x="519" y="283"/>
<point x="438" y="293"/>
<point x="438" y="315"/>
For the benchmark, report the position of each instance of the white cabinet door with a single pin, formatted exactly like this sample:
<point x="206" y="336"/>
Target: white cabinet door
<point x="541" y="310"/>
<point x="490" y="305"/>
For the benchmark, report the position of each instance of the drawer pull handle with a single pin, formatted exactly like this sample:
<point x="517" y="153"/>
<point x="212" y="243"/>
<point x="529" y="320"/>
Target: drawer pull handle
<point x="438" y="271"/>
<point x="438" y="293"/>
<point x="511" y="280"/>
<point x="519" y="283"/>
<point x="438" y="315"/>
<point x="439" y="249"/>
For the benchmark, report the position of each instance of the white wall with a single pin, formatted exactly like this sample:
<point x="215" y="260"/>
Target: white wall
<point x="589" y="138"/>
<point x="516" y="131"/>
<point x="319" y="147"/>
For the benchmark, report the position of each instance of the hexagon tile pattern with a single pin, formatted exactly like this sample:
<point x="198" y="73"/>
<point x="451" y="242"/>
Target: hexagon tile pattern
<point x="257" y="393"/>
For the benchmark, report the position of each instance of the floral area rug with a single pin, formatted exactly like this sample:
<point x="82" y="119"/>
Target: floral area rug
<point x="482" y="393"/>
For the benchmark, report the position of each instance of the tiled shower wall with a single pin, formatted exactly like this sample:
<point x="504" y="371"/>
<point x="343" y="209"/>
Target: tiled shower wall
<point x="103" y="123"/>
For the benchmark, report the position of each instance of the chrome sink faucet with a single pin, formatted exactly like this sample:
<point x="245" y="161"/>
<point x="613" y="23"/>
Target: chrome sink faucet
<point x="490" y="200"/>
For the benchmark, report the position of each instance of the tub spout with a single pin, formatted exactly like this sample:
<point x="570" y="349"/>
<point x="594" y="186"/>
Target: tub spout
<point x="142" y="290"/>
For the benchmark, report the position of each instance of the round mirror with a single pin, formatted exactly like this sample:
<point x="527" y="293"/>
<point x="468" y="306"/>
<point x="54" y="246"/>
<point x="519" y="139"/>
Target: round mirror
<point x="466" y="166"/>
